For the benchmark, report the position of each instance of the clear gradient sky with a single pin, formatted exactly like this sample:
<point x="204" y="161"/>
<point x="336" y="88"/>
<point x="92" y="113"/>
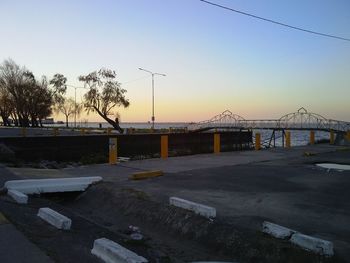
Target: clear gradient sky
<point x="214" y="59"/>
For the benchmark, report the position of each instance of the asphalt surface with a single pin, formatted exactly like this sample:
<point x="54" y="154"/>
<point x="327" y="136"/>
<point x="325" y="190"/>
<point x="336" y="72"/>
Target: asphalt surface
<point x="14" y="245"/>
<point x="282" y="186"/>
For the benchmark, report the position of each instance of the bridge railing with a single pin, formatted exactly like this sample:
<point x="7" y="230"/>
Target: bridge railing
<point x="301" y="119"/>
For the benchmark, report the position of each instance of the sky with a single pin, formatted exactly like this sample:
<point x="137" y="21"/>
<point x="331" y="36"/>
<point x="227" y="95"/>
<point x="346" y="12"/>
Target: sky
<point x="214" y="60"/>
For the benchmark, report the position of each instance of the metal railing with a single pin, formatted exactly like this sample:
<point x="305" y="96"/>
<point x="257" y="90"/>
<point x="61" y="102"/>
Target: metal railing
<point x="300" y="120"/>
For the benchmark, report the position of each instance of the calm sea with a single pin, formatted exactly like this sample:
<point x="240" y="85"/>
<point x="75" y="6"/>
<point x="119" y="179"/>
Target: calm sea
<point x="136" y="125"/>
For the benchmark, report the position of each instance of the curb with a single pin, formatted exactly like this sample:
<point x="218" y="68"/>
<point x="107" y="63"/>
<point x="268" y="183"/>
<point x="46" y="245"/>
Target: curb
<point x="316" y="245"/>
<point x="146" y="175"/>
<point x="18" y="196"/>
<point x="54" y="218"/>
<point x="277" y="231"/>
<point x="112" y="252"/>
<point x="203" y="210"/>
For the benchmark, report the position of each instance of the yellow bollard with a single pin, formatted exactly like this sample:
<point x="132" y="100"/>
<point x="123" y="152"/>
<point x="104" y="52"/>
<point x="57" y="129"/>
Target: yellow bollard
<point x="113" y="151"/>
<point x="257" y="141"/>
<point x="312" y="137"/>
<point x="109" y="131"/>
<point x="288" y="139"/>
<point x="348" y="135"/>
<point x="164" y="146"/>
<point x="217" y="145"/>
<point x="24" y="131"/>
<point x="82" y="131"/>
<point x="55" y="131"/>
<point x="331" y="137"/>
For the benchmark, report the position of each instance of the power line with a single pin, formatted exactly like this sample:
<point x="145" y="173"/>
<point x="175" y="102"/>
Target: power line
<point x="123" y="83"/>
<point x="130" y="81"/>
<point x="274" y="22"/>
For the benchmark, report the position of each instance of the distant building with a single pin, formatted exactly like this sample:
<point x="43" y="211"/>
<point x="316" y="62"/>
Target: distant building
<point x="48" y="121"/>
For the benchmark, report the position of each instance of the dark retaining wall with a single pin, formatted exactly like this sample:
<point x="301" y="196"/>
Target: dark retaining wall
<point x="75" y="148"/>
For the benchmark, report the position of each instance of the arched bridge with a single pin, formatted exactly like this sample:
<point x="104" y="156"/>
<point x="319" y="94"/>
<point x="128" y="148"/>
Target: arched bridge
<point x="300" y="120"/>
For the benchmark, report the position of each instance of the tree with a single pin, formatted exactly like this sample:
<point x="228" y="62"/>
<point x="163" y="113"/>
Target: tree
<point x="5" y="107"/>
<point x="68" y="107"/>
<point x="26" y="99"/>
<point x="17" y="82"/>
<point x="104" y="95"/>
<point x="59" y="87"/>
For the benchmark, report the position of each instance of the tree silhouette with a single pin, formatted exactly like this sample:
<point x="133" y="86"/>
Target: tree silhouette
<point x="104" y="95"/>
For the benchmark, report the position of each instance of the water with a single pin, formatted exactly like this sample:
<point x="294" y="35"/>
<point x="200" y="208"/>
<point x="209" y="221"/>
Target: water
<point x="136" y="125"/>
<point x="298" y="138"/>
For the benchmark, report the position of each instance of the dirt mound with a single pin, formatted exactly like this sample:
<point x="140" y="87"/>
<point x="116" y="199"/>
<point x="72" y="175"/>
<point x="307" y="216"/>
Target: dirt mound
<point x="112" y="205"/>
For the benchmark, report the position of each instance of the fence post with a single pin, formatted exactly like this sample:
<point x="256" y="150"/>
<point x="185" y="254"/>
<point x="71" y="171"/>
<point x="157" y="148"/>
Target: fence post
<point x="257" y="141"/>
<point x="164" y="146"/>
<point x="217" y="143"/>
<point x="24" y="131"/>
<point x="331" y="137"/>
<point x="288" y="139"/>
<point x="312" y="137"/>
<point x="113" y="151"/>
<point x="55" y="131"/>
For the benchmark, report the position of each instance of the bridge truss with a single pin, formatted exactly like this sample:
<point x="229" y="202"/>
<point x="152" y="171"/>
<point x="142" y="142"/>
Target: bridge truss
<point x="300" y="120"/>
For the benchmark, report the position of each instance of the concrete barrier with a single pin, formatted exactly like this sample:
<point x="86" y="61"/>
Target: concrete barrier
<point x="200" y="209"/>
<point x="145" y="175"/>
<point x="54" y="218"/>
<point x="37" y="186"/>
<point x="277" y="231"/>
<point x="214" y="262"/>
<point x="313" y="244"/>
<point x="111" y="252"/>
<point x="18" y="196"/>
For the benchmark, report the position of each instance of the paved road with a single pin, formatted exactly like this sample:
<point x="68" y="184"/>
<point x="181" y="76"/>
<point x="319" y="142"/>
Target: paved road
<point x="282" y="186"/>
<point x="14" y="246"/>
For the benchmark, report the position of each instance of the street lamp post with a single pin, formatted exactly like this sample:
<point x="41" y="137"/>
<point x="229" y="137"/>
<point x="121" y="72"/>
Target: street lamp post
<point x="75" y="107"/>
<point x="75" y="103"/>
<point x="153" y="74"/>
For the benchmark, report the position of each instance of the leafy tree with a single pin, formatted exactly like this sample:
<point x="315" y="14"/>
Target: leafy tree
<point x="40" y="102"/>
<point x="68" y="107"/>
<point x="59" y="87"/>
<point x="104" y="95"/>
<point x="17" y="82"/>
<point x="5" y="107"/>
<point x="26" y="99"/>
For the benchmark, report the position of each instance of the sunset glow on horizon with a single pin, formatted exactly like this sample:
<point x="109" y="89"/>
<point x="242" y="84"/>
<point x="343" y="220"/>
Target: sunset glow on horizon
<point x="214" y="60"/>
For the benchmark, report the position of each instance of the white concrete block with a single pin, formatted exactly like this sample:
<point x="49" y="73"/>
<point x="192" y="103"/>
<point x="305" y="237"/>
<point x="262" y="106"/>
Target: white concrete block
<point x="200" y="209"/>
<point x="277" y="230"/>
<point x="111" y="252"/>
<point x="334" y="166"/>
<point x="18" y="196"/>
<point x="56" y="219"/>
<point x="37" y="186"/>
<point x="213" y="262"/>
<point x="316" y="245"/>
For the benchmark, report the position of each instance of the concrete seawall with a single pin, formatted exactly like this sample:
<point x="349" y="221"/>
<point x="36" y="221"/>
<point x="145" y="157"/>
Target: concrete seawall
<point x="73" y="148"/>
